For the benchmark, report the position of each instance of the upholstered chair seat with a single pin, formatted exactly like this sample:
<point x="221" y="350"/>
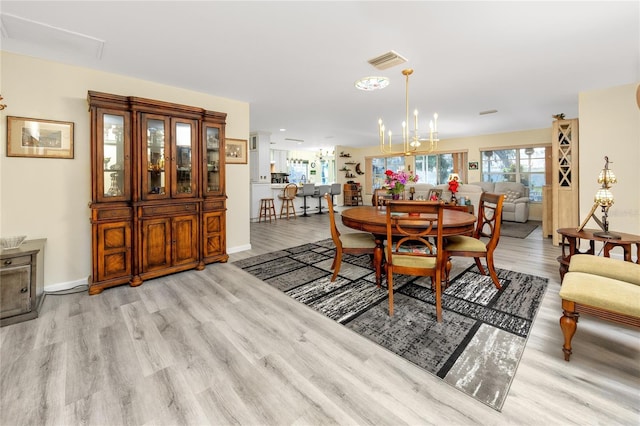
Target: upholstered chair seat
<point x="357" y="240"/>
<point x="463" y="243"/>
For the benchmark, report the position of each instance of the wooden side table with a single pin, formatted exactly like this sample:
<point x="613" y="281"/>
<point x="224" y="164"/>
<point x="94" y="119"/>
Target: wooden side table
<point x="571" y="245"/>
<point x="18" y="301"/>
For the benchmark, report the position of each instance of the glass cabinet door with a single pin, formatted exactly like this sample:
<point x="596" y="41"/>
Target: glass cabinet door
<point x="113" y="183"/>
<point x="155" y="154"/>
<point x="183" y="173"/>
<point x="213" y="181"/>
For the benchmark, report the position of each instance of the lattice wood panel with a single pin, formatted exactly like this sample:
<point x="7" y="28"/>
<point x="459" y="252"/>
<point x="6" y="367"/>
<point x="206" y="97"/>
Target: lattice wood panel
<point x="564" y="193"/>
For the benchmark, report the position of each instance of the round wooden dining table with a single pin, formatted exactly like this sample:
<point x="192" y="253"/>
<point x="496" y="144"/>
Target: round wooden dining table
<point x="374" y="220"/>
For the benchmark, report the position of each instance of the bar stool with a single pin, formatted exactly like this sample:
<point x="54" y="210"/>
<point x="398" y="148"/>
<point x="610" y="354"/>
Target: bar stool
<point x="288" y="195"/>
<point x="308" y="189"/>
<point x="321" y="190"/>
<point x="267" y="209"/>
<point x="336" y="189"/>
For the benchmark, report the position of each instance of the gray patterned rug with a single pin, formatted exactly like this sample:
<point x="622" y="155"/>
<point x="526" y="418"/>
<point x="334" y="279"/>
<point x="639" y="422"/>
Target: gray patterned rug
<point x="518" y="230"/>
<point x="476" y="348"/>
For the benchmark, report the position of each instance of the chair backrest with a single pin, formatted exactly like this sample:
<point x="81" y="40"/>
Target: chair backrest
<point x="336" y="188"/>
<point x="490" y="218"/>
<point x="324" y="189"/>
<point x="409" y="224"/>
<point x="290" y="190"/>
<point x="381" y="196"/>
<point x="308" y="189"/>
<point x="335" y="234"/>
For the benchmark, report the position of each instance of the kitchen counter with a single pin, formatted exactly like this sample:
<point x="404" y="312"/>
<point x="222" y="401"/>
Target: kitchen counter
<point x="264" y="190"/>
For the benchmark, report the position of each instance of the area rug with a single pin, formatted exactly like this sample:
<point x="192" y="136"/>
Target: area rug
<point x="476" y="348"/>
<point x="517" y="229"/>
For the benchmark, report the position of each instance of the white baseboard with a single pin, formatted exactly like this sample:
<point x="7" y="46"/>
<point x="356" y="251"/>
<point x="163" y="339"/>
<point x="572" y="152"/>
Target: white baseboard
<point x="66" y="286"/>
<point x="238" y="249"/>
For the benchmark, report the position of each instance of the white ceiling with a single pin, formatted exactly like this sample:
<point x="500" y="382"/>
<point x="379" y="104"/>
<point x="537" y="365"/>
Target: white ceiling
<point x="296" y="62"/>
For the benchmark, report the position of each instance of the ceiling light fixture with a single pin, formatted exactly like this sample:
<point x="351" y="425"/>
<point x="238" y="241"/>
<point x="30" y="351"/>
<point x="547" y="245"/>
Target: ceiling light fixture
<point x="410" y="143"/>
<point x="372" y="83"/>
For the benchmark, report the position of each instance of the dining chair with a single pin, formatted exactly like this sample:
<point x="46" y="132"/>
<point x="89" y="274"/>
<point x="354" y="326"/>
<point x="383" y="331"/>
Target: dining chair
<point x="287" y="197"/>
<point x="488" y="226"/>
<point x="409" y="250"/>
<point x="348" y="242"/>
<point x="381" y="196"/>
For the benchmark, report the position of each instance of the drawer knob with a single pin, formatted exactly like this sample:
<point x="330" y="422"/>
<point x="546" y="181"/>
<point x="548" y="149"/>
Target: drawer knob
<point x="8" y="262"/>
<point x="24" y="290"/>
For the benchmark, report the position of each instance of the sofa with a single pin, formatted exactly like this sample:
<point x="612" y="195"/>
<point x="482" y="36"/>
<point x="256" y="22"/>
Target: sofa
<point x="468" y="191"/>
<point x="516" y="201"/>
<point x="601" y="286"/>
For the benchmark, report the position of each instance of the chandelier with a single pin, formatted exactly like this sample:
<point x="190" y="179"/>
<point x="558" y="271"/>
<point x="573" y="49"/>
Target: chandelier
<point x="411" y="141"/>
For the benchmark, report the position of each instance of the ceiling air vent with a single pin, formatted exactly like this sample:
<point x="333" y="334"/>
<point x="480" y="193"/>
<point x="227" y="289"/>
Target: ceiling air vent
<point x="387" y="60"/>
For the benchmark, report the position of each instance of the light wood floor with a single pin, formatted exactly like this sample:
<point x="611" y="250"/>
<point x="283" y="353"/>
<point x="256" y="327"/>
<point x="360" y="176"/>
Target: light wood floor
<point x="220" y="347"/>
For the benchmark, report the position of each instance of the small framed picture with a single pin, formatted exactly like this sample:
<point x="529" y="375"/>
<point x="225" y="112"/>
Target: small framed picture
<point x="473" y="165"/>
<point x="32" y="137"/>
<point x="434" y="194"/>
<point x="235" y="151"/>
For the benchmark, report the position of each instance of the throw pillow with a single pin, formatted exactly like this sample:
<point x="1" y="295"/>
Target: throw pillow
<point x="511" y="196"/>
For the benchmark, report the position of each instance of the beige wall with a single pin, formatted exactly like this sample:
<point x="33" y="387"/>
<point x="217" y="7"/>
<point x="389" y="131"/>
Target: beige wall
<point x="610" y="125"/>
<point x="48" y="198"/>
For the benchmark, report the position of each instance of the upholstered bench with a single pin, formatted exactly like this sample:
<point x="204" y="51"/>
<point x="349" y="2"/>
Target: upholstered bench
<point x="600" y="286"/>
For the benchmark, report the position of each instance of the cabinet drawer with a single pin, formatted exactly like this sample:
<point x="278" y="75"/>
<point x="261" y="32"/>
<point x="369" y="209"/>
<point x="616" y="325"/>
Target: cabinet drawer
<point x="213" y="205"/>
<point x="164" y="210"/>
<point x="16" y="261"/>
<point x="109" y="214"/>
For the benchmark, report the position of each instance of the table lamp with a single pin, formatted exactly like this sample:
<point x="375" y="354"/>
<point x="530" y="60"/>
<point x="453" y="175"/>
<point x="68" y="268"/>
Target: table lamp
<point x="604" y="200"/>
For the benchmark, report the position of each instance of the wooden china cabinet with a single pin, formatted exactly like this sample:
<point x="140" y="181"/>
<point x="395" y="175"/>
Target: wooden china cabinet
<point x="158" y="191"/>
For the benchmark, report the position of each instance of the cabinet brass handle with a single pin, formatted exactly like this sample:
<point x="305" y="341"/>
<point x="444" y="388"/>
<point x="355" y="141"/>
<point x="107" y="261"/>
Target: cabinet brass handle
<point x="8" y="262"/>
<point x="24" y="290"/>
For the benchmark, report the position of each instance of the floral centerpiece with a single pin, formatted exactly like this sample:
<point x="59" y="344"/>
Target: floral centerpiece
<point x="395" y="181"/>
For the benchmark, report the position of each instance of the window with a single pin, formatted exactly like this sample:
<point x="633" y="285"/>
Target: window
<point x="381" y="164"/>
<point x="524" y="165"/>
<point x="435" y="169"/>
<point x="298" y="171"/>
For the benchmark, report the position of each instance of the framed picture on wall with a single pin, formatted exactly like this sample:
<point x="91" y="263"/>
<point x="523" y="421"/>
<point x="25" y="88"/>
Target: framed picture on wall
<point x="473" y="165"/>
<point x="32" y="137"/>
<point x="235" y="151"/>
